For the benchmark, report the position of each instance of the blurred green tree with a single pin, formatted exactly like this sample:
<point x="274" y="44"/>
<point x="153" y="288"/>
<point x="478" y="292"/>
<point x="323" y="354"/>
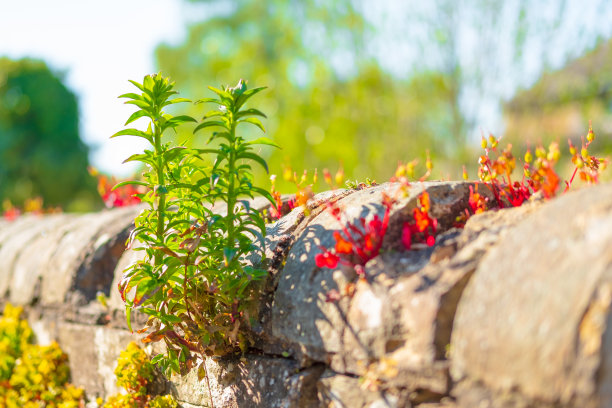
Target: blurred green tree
<point x="328" y="103"/>
<point x="41" y="153"/>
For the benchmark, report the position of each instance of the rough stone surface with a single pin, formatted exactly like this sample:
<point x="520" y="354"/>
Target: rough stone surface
<point x="336" y="390"/>
<point x="513" y="310"/>
<point x="253" y="381"/>
<point x="530" y="325"/>
<point x="16" y="248"/>
<point x="300" y="314"/>
<point x="92" y="353"/>
<point x="77" y="246"/>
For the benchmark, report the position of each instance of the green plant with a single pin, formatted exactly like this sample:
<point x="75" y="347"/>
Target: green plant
<point x="195" y="282"/>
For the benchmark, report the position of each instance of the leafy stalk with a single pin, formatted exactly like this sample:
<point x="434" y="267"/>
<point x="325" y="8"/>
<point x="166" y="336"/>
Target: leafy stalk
<point x="195" y="282"/>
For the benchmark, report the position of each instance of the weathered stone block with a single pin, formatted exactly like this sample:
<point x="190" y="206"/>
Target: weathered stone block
<point x="255" y="381"/>
<point x="18" y="246"/>
<point x="300" y="314"/>
<point x="533" y="325"/>
<point x="70" y="267"/>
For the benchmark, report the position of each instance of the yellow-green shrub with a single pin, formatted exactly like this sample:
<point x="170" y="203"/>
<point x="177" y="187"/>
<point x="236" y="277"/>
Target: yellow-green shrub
<point x="32" y="376"/>
<point x="135" y="372"/>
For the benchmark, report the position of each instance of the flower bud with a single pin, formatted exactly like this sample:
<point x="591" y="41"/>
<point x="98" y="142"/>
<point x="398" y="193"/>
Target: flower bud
<point x="400" y="171"/>
<point x="591" y="134"/>
<point x="528" y="156"/>
<point x="339" y="176"/>
<point x="327" y="177"/>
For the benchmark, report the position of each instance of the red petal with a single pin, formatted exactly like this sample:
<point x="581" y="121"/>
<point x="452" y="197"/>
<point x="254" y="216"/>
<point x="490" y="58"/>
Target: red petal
<point x="326" y="260"/>
<point x="406" y="236"/>
<point x="431" y="240"/>
<point x="342" y="245"/>
<point x="424" y="201"/>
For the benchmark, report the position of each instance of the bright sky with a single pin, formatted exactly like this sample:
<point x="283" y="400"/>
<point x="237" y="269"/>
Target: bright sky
<point x="99" y="45"/>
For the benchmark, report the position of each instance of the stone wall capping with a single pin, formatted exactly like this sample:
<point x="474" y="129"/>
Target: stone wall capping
<point x="514" y="310"/>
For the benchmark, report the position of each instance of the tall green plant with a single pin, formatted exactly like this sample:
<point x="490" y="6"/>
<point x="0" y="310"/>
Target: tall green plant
<point x="195" y="282"/>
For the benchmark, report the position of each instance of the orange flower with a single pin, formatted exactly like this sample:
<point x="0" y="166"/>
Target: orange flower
<point x="342" y="245"/>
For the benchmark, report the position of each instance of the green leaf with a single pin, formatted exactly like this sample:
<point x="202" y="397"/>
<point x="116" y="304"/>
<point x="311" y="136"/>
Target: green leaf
<point x="176" y="100"/>
<point x="209" y="124"/>
<point x="172" y="153"/>
<point x="128" y="317"/>
<point x="222" y="94"/>
<point x="137" y="85"/>
<point x="250" y="112"/>
<point x="136" y="115"/>
<point x="158" y="358"/>
<point x="141" y="104"/>
<point x="213" y="113"/>
<point x="134" y="132"/>
<point x="262" y="141"/>
<point x="170" y="318"/>
<point x="177" y="120"/>
<point x="129" y="182"/>
<point x="209" y="100"/>
<point x="144" y="158"/>
<point x="264" y="193"/>
<point x="254" y="157"/>
<point x="132" y="96"/>
<point x="254" y="121"/>
<point x="213" y="151"/>
<point x="246" y="95"/>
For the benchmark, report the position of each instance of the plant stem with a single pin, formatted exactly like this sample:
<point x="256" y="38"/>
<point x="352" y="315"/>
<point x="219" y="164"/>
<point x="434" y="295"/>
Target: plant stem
<point x="231" y="198"/>
<point x="161" y="204"/>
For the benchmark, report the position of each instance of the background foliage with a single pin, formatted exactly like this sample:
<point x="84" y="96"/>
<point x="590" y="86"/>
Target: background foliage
<point x="345" y="89"/>
<point x="41" y="153"/>
<point x="352" y="83"/>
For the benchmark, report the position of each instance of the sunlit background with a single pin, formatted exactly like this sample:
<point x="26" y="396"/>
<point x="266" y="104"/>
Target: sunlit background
<point x="358" y="84"/>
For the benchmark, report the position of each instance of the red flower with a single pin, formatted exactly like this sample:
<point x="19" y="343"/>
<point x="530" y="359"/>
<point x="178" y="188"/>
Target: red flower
<point x="326" y="260"/>
<point x="421" y="219"/>
<point x="11" y="214"/>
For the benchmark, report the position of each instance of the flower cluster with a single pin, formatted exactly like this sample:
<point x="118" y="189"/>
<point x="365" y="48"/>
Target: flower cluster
<point x="588" y="167"/>
<point x="406" y="172"/>
<point x="32" y="206"/>
<point x="538" y="175"/>
<point x="113" y="194"/>
<point x="356" y="243"/>
<point x="304" y="189"/>
<point x="424" y="226"/>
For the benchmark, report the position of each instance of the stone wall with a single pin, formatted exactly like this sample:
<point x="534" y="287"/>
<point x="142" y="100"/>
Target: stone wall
<point x="511" y="311"/>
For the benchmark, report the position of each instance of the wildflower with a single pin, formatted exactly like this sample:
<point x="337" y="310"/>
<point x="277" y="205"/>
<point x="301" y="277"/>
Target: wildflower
<point x="423" y="226"/>
<point x="326" y="260"/>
